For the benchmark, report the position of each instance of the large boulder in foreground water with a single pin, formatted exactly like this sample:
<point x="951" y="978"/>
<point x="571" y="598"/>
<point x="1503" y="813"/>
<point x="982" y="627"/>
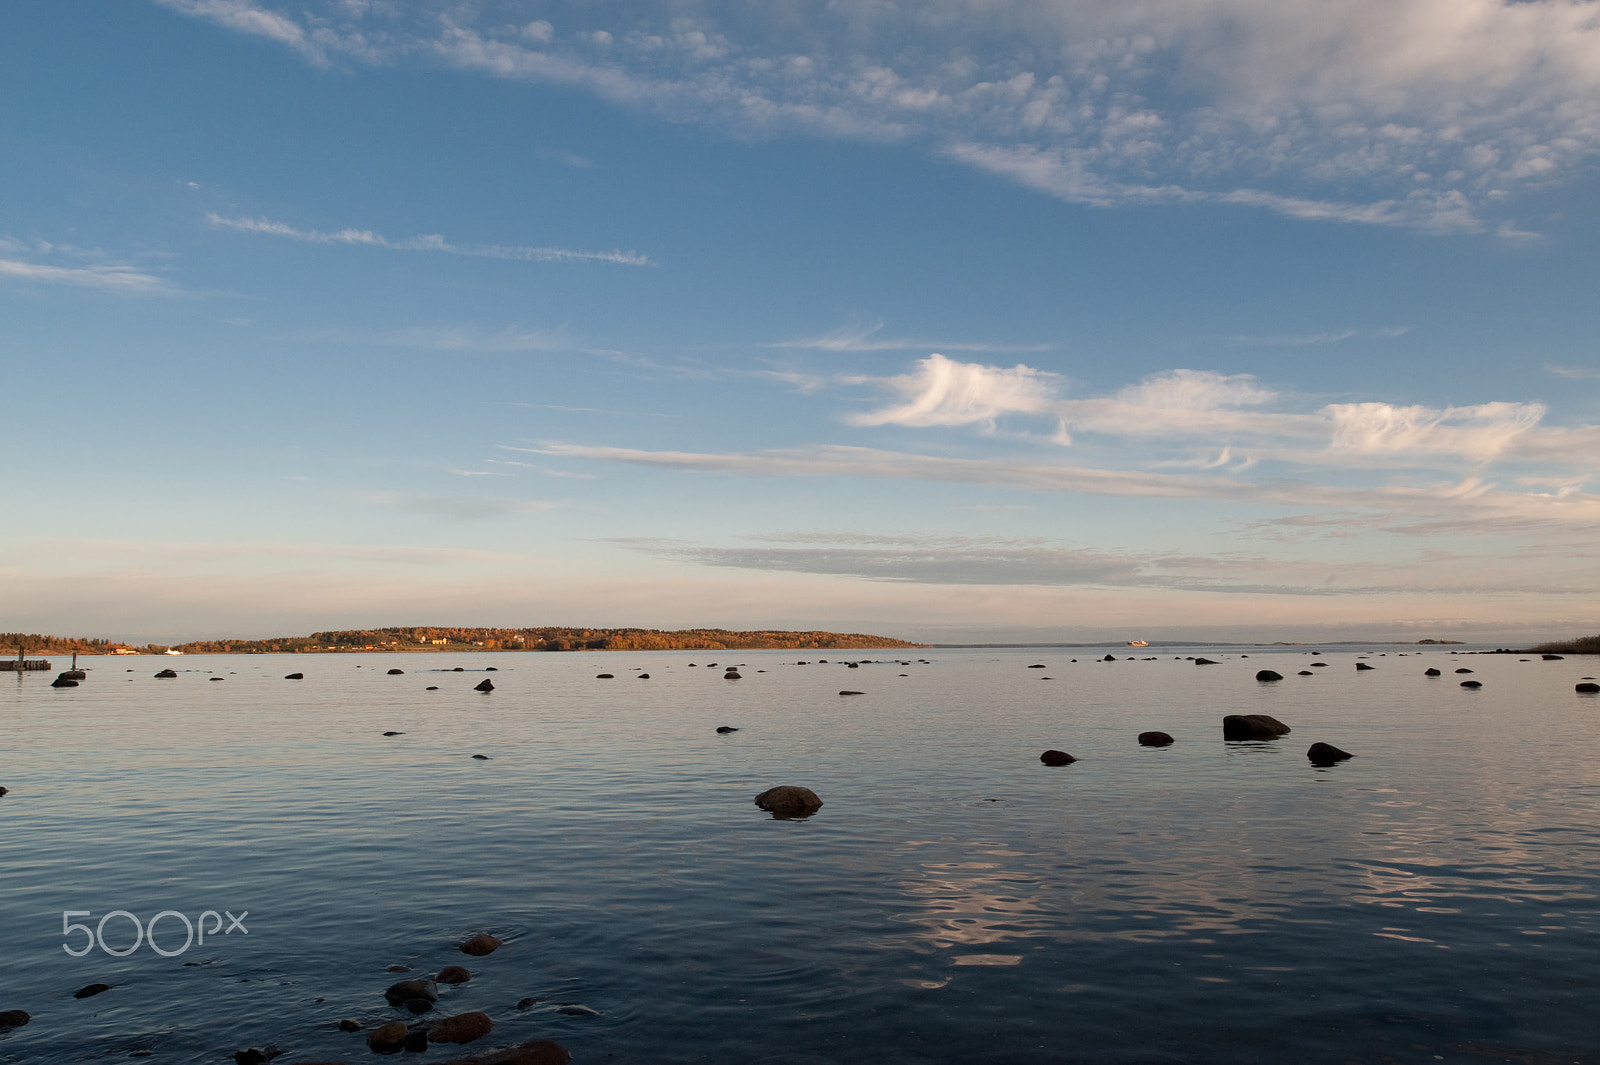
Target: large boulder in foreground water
<point x="1268" y="674"/>
<point x="1252" y="727"/>
<point x="786" y="800"/>
<point x="1056" y="758"/>
<point x="1154" y="739"/>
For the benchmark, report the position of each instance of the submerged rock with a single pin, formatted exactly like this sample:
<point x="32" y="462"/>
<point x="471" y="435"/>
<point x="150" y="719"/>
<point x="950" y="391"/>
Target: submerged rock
<point x="90" y="990"/>
<point x="349" y="1025"/>
<point x="294" y="676"/>
<point x="1206" y="662"/>
<point x="533" y="1052"/>
<point x="167" y="674"/>
<point x="396" y="672"/>
<point x="462" y="1028"/>
<point x="388" y="1038"/>
<point x="1268" y="674"/>
<point x="454" y="974"/>
<point x="1552" y="658"/>
<point x="14" y="1018"/>
<point x="787" y="800"/>
<point x="726" y="729"/>
<point x="1056" y="758"/>
<point x="480" y="945"/>
<point x="399" y="994"/>
<point x="1463" y="669"/>
<point x="605" y="676"/>
<point x="1305" y="673"/>
<point x="63" y="682"/>
<point x="1154" y="739"/>
<point x="1363" y="665"/>
<point x="572" y="1009"/>
<point x="1252" y="727"/>
<point x="1431" y="672"/>
<point x="484" y="685"/>
<point x="1587" y="687"/>
<point x="256" y="1055"/>
<point x="732" y="675"/>
<point x="1472" y="684"/>
<point x="1326" y="754"/>
<point x="849" y="692"/>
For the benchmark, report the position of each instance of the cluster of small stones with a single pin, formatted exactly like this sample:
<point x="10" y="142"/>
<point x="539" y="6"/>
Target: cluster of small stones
<point x="419" y="996"/>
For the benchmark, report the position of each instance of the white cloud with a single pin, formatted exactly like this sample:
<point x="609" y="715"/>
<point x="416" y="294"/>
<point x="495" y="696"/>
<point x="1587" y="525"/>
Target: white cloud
<point x="427" y="242"/>
<point x="1426" y="113"/>
<point x="945" y="392"/>
<point x="111" y="277"/>
<point x="1481" y="433"/>
<point x="1574" y="373"/>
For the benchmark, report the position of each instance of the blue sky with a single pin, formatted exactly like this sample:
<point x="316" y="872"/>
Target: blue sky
<point x="999" y="320"/>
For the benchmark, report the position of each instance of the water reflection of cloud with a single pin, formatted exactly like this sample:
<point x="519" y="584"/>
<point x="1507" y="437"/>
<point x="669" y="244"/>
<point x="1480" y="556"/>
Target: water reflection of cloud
<point x="974" y="904"/>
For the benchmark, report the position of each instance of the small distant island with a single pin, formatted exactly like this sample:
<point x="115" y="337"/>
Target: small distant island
<point x="414" y="638"/>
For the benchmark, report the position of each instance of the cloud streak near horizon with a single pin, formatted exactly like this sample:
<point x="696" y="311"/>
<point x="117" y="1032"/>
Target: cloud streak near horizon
<point x="427" y="242"/>
<point x="1419" y="113"/>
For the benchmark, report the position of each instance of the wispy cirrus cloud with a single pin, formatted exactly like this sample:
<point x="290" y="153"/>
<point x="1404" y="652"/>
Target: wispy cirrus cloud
<point x="867" y="338"/>
<point x="1411" y="113"/>
<point x="109" y="277"/>
<point x="447" y="338"/>
<point x="1574" y="373"/>
<point x="427" y="242"/>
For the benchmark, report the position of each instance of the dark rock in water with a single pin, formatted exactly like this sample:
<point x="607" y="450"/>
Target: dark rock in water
<point x="417" y="1005"/>
<point x="787" y="800"/>
<point x="1588" y="687"/>
<point x="395" y="734"/>
<point x="524" y="1003"/>
<point x="491" y="669"/>
<point x="396" y="672"/>
<point x="1109" y="658"/>
<point x="4" y="792"/>
<point x="407" y="990"/>
<point x="74" y="674"/>
<point x="388" y="1038"/>
<point x="348" y="1025"/>
<point x="1268" y="674"/>
<point x="216" y="678"/>
<point x="167" y="674"/>
<point x="1326" y="754"/>
<point x="294" y="676"/>
<point x="453" y="974"/>
<point x="646" y="676"/>
<point x="1463" y="669"/>
<point x="1318" y="665"/>
<point x="1472" y="684"/>
<point x="1205" y="662"/>
<point x="852" y="665"/>
<point x="462" y="1028"/>
<point x="1431" y="672"/>
<point x="398" y="969"/>
<point x="481" y="757"/>
<point x="256" y="1055"/>
<point x="848" y="692"/>
<point x="416" y="1042"/>
<point x="1305" y="673"/>
<point x="14" y="1018"/>
<point x="605" y="676"/>
<point x="480" y="945"/>
<point x="459" y="669"/>
<point x="1552" y="658"/>
<point x="1036" y="667"/>
<point x="572" y="1009"/>
<point x="1363" y="665"/>
<point x="713" y="665"/>
<point x="484" y="685"/>
<point x="726" y="728"/>
<point x="1154" y="739"/>
<point x="1252" y="727"/>
<point x="90" y="990"/>
<point x="431" y="688"/>
<point x="1056" y="758"/>
<point x="63" y="682"/>
<point x="533" y="1052"/>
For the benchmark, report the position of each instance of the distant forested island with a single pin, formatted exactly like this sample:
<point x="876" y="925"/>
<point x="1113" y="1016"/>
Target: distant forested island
<point x="453" y="638"/>
<point x="1582" y="645"/>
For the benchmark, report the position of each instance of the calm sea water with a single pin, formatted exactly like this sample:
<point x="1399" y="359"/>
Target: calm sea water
<point x="1434" y="899"/>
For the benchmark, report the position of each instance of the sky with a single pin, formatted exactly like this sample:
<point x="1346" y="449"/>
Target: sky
<point x="992" y="320"/>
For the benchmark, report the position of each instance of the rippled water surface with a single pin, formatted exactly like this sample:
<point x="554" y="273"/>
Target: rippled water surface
<point x="1433" y="899"/>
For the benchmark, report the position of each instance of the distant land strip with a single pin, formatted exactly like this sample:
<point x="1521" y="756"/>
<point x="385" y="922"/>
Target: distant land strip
<point x="449" y="638"/>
